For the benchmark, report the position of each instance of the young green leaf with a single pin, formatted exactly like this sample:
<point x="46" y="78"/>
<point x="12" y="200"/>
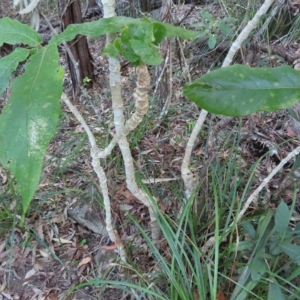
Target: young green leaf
<point x="31" y="118"/>
<point x="282" y="219"/>
<point x="240" y="90"/>
<point x="143" y="32"/>
<point x="9" y="63"/>
<point x="293" y="251"/>
<point x="111" y="50"/>
<point x="274" y="291"/>
<point x="199" y="24"/>
<point x="147" y="52"/>
<point x="225" y="29"/>
<point x="124" y="46"/>
<point x="211" y="41"/>
<point x="207" y="16"/>
<point x="258" y="268"/>
<point x="159" y="32"/>
<point x="13" y="32"/>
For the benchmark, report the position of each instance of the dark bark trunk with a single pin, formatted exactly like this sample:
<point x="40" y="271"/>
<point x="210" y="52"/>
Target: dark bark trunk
<point x="70" y="13"/>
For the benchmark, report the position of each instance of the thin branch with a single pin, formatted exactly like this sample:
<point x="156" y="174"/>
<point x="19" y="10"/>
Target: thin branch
<point x="185" y="172"/>
<point x="101" y="176"/>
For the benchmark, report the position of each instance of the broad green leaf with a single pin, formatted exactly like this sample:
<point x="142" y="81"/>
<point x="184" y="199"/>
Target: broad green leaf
<point x="124" y="46"/>
<point x="13" y="32"/>
<point x="282" y="219"/>
<point x="9" y="63"/>
<point x="143" y="32"/>
<point x="176" y="31"/>
<point x="115" y="24"/>
<point x="211" y="41"/>
<point x="240" y="90"/>
<point x="274" y="291"/>
<point x="293" y="251"/>
<point x="148" y="52"/>
<point x="159" y="32"/>
<point x="29" y="120"/>
<point x="111" y="50"/>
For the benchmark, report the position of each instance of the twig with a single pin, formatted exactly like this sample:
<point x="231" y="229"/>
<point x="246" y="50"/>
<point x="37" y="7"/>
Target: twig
<point x="161" y="74"/>
<point x="273" y="13"/>
<point x="101" y="176"/>
<point x="164" y="110"/>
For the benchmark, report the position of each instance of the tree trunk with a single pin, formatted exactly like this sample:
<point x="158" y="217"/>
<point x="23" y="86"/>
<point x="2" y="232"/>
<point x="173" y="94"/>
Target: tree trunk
<point x="70" y="13"/>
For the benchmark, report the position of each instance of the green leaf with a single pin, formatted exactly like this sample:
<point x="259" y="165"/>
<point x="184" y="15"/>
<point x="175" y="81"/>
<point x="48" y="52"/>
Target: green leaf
<point x="274" y="247"/>
<point x="293" y="114"/>
<point x="207" y="16"/>
<point x="201" y="33"/>
<point x="13" y="32"/>
<point x="111" y="50"/>
<point x="29" y="120"/>
<point x="9" y="63"/>
<point x="240" y="90"/>
<point x="115" y="24"/>
<point x="274" y="291"/>
<point x="282" y="219"/>
<point x="175" y="31"/>
<point x="211" y="41"/>
<point x="249" y="228"/>
<point x="148" y="52"/>
<point x="143" y="32"/>
<point x="200" y="24"/>
<point x="296" y="164"/>
<point x="258" y="268"/>
<point x="225" y="29"/>
<point x="293" y="251"/>
<point x="159" y="32"/>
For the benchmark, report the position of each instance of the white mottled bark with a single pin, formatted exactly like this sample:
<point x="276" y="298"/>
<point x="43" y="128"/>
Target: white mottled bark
<point x="101" y="176"/>
<point x="187" y="176"/>
<point x="234" y="48"/>
<point x="141" y="98"/>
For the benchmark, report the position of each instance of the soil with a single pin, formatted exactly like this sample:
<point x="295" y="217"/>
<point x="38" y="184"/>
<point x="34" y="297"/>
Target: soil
<point x="60" y="252"/>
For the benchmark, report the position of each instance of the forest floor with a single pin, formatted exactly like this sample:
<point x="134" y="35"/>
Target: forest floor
<point x="59" y="253"/>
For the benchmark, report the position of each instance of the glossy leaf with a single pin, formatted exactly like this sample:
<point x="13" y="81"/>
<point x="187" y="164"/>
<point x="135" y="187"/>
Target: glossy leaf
<point x="240" y="90"/>
<point x="9" y="63"/>
<point x="29" y="120"/>
<point x="13" y="32"/>
<point x="282" y="219"/>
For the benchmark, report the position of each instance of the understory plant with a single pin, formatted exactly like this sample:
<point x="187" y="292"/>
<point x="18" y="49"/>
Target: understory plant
<point x="31" y="117"/>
